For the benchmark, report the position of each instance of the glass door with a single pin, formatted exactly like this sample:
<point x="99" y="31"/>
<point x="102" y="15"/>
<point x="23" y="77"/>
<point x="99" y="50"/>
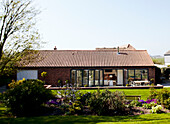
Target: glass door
<point x="79" y="78"/>
<point x="91" y="77"/>
<point x="110" y="77"/>
<point x="97" y="78"/>
<point x="85" y="78"/>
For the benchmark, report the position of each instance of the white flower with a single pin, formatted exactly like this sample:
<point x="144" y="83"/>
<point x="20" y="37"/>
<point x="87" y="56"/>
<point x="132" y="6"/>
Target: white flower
<point x="156" y="109"/>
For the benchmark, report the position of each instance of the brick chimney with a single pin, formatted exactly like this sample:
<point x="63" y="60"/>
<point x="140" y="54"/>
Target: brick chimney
<point x="55" y="48"/>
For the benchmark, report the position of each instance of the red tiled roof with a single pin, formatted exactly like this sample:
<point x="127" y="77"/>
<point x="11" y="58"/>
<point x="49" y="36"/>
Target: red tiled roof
<point x="92" y="58"/>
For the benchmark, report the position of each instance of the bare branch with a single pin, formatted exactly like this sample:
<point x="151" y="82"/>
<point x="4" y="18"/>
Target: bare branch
<point x="17" y="32"/>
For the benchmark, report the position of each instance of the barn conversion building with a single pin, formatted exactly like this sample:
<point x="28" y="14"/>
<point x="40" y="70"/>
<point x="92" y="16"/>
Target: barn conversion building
<point x="99" y="67"/>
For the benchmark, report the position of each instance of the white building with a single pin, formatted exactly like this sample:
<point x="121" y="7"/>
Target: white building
<point x="167" y="58"/>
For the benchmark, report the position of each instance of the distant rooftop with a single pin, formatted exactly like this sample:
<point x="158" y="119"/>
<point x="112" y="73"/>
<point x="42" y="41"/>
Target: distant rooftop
<point x="167" y="53"/>
<point x="123" y="47"/>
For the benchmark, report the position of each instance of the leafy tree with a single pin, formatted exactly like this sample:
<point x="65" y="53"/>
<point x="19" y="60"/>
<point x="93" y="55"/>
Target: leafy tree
<point x="18" y="36"/>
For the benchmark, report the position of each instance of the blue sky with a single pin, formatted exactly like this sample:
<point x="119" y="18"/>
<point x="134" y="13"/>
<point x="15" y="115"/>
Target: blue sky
<point x="87" y="24"/>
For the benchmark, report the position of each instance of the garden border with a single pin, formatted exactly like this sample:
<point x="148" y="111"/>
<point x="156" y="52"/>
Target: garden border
<point x="119" y="87"/>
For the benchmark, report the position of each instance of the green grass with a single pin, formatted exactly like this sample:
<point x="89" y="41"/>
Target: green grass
<point x="143" y="92"/>
<point x="139" y="119"/>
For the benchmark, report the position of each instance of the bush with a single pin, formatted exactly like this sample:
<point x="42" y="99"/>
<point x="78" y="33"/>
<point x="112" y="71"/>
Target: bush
<point x="25" y="98"/>
<point x="4" y="80"/>
<point x="167" y="103"/>
<point x="68" y="101"/>
<point x="161" y="96"/>
<point x="135" y="103"/>
<point x="75" y="108"/>
<point x="84" y="99"/>
<point x="107" y="103"/>
<point x="153" y="94"/>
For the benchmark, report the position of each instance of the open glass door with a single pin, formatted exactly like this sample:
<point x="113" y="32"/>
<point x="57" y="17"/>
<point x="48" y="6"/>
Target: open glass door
<point x="110" y="77"/>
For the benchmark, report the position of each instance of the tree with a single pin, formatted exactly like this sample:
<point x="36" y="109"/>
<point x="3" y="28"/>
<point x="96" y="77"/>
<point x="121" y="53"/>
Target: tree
<point x="18" y="36"/>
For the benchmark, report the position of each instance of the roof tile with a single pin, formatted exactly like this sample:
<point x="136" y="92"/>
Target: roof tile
<point x="89" y="58"/>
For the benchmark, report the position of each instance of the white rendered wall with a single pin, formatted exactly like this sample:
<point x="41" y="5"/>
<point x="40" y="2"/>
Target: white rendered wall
<point x="167" y="60"/>
<point x="27" y="74"/>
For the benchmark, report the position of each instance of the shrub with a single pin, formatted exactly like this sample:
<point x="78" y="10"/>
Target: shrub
<point x="75" y="108"/>
<point x="107" y="103"/>
<point x="54" y="102"/>
<point x="68" y="101"/>
<point x="153" y="94"/>
<point x="135" y="103"/>
<point x="161" y="96"/>
<point x="68" y="95"/>
<point x="25" y="98"/>
<point x="85" y="98"/>
<point x="167" y="103"/>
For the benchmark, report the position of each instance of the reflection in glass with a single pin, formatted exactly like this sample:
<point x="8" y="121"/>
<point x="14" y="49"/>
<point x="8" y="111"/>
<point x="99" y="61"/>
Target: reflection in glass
<point x="145" y="74"/>
<point x="131" y="75"/>
<point x="73" y="77"/>
<point x="101" y="77"/>
<point x="85" y="77"/>
<point x="91" y="77"/>
<point x="79" y="78"/>
<point x="96" y="77"/>
<point x="137" y="75"/>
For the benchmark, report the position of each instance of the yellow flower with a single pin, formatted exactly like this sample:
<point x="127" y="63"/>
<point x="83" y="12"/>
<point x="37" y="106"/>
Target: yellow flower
<point x="78" y="108"/>
<point x="23" y="79"/>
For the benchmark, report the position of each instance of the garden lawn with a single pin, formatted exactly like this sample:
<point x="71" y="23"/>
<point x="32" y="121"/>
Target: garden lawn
<point x="139" y="119"/>
<point x="144" y="93"/>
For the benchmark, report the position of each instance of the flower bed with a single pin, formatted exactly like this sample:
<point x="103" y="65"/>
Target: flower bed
<point x="72" y="101"/>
